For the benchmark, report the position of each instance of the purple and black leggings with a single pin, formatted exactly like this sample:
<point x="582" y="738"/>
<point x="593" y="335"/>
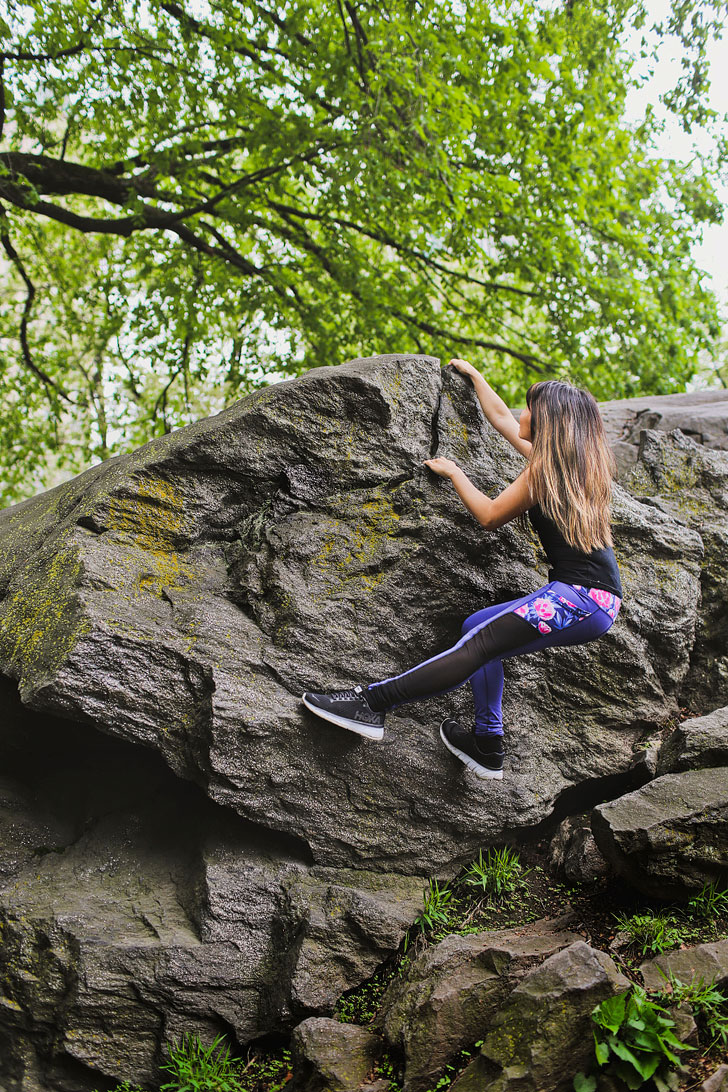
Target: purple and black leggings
<point x="557" y="614"/>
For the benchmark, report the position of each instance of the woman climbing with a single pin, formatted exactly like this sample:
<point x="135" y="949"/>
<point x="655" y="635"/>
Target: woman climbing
<point x="566" y="490"/>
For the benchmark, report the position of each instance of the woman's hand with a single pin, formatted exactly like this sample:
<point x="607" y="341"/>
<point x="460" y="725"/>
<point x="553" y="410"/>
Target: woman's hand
<point x="444" y="467"/>
<point x="464" y="367"/>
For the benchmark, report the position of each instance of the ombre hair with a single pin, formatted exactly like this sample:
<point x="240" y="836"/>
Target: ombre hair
<point x="571" y="466"/>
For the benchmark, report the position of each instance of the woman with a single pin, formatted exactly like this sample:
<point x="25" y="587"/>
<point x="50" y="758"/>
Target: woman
<point x="566" y="490"/>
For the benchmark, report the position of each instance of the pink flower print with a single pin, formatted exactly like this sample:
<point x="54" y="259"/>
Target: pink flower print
<point x="542" y="627"/>
<point x="603" y="598"/>
<point x="544" y="609"/>
<point x="523" y="611"/>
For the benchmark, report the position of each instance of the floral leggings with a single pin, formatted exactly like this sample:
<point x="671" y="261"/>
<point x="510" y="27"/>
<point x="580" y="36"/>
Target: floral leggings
<point x="557" y="614"/>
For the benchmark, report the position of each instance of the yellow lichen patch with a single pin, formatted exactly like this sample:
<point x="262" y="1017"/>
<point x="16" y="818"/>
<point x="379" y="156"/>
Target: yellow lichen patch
<point x="41" y="621"/>
<point x="154" y="520"/>
<point x="349" y="547"/>
<point x="459" y="438"/>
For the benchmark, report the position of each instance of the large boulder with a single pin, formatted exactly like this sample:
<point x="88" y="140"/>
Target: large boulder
<point x="542" y="1035"/>
<point x="186" y="847"/>
<point x="447" y="997"/>
<point x="701" y="415"/>
<point x="182" y="597"/>
<point x="669" y="837"/>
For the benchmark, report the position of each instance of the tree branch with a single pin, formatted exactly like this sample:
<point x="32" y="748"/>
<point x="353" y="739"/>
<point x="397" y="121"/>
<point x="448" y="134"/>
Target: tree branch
<point x="30" y="288"/>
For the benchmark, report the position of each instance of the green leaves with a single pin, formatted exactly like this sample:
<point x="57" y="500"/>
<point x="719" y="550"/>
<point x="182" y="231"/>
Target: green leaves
<point x="634" y="1037"/>
<point x="321" y="181"/>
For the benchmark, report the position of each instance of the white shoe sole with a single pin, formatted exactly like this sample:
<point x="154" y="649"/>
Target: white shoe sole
<point x="480" y="771"/>
<point x="369" y="731"/>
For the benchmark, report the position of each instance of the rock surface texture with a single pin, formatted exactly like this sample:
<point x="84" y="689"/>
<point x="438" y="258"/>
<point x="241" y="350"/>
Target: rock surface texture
<point x="184" y="847"/>
<point x="542" y="1035"/>
<point x="669" y="837"/>
<point x="448" y="996"/>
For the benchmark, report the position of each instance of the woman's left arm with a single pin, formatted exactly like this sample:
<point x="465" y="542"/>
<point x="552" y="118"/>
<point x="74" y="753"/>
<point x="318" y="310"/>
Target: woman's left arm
<point x="490" y="513"/>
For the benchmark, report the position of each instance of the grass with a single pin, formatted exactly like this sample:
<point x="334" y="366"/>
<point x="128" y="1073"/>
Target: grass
<point x="651" y="934"/>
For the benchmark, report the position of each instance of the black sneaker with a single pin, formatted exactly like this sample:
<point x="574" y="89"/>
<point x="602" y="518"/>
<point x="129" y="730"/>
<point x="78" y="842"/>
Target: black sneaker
<point x="484" y="758"/>
<point x="349" y="709"/>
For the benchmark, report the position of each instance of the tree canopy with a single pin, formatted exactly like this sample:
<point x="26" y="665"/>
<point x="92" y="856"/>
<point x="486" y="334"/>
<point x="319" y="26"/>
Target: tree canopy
<point x="197" y="197"/>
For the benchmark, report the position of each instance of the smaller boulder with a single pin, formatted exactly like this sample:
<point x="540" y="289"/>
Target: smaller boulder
<point x="542" y="1035"/>
<point x="696" y="744"/>
<point x="447" y="997"/>
<point x="574" y="854"/>
<point x="669" y="837"/>
<point x="708" y="962"/>
<point x="328" y="1056"/>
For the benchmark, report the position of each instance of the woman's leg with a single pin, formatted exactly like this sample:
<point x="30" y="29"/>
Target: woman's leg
<point x="487" y="682"/>
<point x="574" y="620"/>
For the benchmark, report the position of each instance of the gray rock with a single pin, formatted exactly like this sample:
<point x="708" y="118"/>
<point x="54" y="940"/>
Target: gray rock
<point x="331" y="1057"/>
<point x="702" y="415"/>
<point x="573" y="852"/>
<point x="671" y="836"/>
<point x="696" y="743"/>
<point x="542" y="1035"/>
<point x="182" y="597"/>
<point x="690" y="482"/>
<point x="716" y="1082"/>
<point x="159" y="914"/>
<point x="708" y="962"/>
<point x="447" y="997"/>
<point x="174" y="603"/>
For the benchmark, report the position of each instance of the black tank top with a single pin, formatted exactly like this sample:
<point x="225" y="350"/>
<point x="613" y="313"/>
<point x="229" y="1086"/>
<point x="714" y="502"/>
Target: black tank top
<point x="595" y="570"/>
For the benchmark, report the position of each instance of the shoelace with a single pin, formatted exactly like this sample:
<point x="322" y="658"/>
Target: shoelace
<point x="346" y="695"/>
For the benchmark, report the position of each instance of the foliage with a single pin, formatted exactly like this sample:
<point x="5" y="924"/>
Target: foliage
<point x="195" y="1067"/>
<point x="633" y="1035"/>
<point x="437" y="906"/>
<point x="653" y="933"/>
<point x="708" y="1003"/>
<point x="358" y="1006"/>
<point x="195" y="200"/>
<point x="710" y="902"/>
<point x="498" y="874"/>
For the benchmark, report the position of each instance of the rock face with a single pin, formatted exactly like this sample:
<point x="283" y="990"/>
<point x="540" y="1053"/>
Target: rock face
<point x="671" y="836"/>
<point x="447" y="998"/>
<point x="542" y="1035"/>
<point x="172" y="816"/>
<point x="696" y="743"/>
<point x="700" y="415"/>
<point x="690" y="483"/>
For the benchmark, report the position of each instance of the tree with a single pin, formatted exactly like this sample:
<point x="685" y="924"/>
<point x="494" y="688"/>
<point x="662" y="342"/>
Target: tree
<point x="196" y="197"/>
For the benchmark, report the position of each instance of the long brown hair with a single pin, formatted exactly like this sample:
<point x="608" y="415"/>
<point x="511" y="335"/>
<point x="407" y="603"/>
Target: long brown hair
<point x="571" y="465"/>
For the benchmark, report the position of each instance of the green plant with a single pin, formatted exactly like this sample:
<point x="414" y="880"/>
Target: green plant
<point x="498" y="874"/>
<point x="359" y="1005"/>
<point x="199" y="1068"/>
<point x="634" y="1036"/>
<point x="711" y="902"/>
<point x="652" y="933"/>
<point x="437" y="907"/>
<point x="708" y="1003"/>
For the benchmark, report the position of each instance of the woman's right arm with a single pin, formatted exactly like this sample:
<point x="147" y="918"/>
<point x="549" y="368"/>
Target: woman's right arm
<point x="494" y="407"/>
